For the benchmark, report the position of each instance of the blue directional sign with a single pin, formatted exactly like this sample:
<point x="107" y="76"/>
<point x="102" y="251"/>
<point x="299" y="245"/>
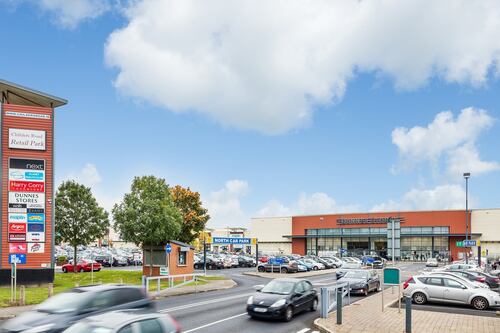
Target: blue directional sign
<point x="168" y="248"/>
<point x="343" y="251"/>
<point x="231" y="240"/>
<point x="275" y="261"/>
<point x="469" y="243"/>
<point x="17" y="258"/>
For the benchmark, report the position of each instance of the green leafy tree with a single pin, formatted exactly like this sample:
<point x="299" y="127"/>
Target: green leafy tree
<point x="79" y="219"/>
<point x="147" y="216"/>
<point x="194" y="216"/>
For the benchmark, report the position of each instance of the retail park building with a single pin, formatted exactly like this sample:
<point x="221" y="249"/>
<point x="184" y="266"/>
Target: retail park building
<point x="417" y="234"/>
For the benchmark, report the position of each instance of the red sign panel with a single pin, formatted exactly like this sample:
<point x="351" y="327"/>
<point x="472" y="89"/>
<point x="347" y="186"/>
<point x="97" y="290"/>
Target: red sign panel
<point x="17" y="227"/>
<point x="23" y="186"/>
<point x="18" y="248"/>
<point x="15" y="238"/>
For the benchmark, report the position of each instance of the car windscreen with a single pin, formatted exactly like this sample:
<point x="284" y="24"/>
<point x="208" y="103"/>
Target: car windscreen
<point x="356" y="275"/>
<point x="63" y="302"/>
<point x="83" y="327"/>
<point x="278" y="287"/>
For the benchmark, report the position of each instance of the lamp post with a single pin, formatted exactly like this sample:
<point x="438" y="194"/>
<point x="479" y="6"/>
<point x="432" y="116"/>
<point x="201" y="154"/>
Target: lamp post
<point x="466" y="176"/>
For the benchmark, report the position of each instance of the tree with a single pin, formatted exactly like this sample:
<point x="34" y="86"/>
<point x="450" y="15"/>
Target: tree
<point x="194" y="216"/>
<point x="79" y="219"/>
<point x="147" y="216"/>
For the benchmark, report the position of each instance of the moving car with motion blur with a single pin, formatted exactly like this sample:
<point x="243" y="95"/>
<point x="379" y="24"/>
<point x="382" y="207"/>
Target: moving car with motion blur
<point x="282" y="299"/>
<point x="59" y="311"/>
<point x="361" y="281"/>
<point x="431" y="262"/>
<point x="448" y="289"/>
<point x="126" y="321"/>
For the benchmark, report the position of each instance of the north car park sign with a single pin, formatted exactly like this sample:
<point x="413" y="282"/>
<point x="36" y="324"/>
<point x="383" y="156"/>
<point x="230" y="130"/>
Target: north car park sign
<point x="231" y="240"/>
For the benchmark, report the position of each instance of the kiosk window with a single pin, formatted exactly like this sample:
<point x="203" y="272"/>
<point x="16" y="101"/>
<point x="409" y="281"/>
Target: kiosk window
<point x="181" y="259"/>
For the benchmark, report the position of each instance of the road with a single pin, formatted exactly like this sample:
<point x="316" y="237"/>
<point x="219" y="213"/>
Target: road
<point x="224" y="311"/>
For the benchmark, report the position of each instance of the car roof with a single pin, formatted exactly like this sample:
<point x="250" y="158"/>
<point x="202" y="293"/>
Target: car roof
<point x="115" y="319"/>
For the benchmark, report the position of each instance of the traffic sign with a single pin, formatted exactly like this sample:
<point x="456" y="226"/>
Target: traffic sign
<point x="232" y="240"/>
<point x="470" y="243"/>
<point x="276" y="261"/>
<point x="168" y="248"/>
<point x="343" y="250"/>
<point x="17" y="258"/>
<point x="163" y="270"/>
<point x="459" y="244"/>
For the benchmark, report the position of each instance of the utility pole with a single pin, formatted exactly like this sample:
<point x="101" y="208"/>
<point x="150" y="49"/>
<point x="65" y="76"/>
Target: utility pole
<point x="466" y="176"/>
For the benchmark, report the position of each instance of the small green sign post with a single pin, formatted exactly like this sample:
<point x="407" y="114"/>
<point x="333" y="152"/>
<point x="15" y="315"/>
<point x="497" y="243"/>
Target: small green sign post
<point x="391" y="277"/>
<point x="459" y="243"/>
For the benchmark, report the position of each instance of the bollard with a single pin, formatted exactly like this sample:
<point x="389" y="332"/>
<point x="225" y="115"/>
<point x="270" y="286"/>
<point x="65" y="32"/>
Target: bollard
<point x="408" y="314"/>
<point x="22" y="295"/>
<point x="339" y="306"/>
<point x="51" y="289"/>
<point x="325" y="302"/>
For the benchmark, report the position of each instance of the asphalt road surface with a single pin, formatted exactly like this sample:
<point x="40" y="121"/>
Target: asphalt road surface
<point x="225" y="310"/>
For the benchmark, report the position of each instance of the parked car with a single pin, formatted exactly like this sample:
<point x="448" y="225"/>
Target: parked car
<point x="59" y="311"/>
<point x="82" y="266"/>
<point x="328" y="263"/>
<point x="287" y="266"/>
<point x="315" y="265"/>
<point x="119" y="261"/>
<point x="308" y="265"/>
<point x="282" y="298"/>
<point x="432" y="262"/>
<point x="301" y="268"/>
<point x="459" y="266"/>
<point x="211" y="264"/>
<point x="361" y="281"/>
<point x="104" y="260"/>
<point x="346" y="267"/>
<point x="448" y="289"/>
<point x="488" y="279"/>
<point x="246" y="262"/>
<point x="126" y="321"/>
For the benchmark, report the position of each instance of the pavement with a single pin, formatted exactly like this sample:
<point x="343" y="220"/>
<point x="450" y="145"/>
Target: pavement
<point x="296" y="275"/>
<point x="211" y="285"/>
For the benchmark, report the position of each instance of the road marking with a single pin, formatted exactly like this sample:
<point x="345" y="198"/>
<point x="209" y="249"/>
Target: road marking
<point x="210" y="301"/>
<point x="304" y="330"/>
<point x="215" y="323"/>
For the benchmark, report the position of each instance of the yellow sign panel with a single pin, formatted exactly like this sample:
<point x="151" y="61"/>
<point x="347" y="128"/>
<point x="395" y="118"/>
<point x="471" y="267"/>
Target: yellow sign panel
<point x="208" y="240"/>
<point x="254" y="241"/>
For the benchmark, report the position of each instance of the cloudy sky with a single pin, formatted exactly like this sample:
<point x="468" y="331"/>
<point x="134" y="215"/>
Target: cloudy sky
<point x="270" y="107"/>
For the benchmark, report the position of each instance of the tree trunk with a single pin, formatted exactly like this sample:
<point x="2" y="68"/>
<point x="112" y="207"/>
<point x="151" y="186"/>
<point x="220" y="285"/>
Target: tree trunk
<point x="75" y="262"/>
<point x="150" y="260"/>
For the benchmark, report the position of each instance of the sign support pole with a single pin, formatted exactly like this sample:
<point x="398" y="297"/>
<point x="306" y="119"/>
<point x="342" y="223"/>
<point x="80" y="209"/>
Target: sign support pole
<point x="204" y="255"/>
<point x="257" y="254"/>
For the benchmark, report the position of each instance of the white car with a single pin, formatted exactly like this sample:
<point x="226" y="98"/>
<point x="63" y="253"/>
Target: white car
<point x="315" y="265"/>
<point x="431" y="262"/>
<point x="444" y="288"/>
<point x="464" y="267"/>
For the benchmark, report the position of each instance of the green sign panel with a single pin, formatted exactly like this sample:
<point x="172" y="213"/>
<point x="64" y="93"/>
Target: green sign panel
<point x="459" y="243"/>
<point x="392" y="276"/>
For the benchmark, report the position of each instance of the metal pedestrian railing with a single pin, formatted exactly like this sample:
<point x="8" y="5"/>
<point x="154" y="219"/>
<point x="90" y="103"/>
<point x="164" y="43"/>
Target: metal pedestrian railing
<point x="333" y="298"/>
<point x="164" y="282"/>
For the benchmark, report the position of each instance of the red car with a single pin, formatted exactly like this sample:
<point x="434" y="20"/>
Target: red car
<point x="82" y="266"/>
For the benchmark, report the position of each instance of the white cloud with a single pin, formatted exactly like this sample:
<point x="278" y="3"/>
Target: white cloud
<point x="316" y="203"/>
<point x="439" y="198"/>
<point x="447" y="136"/>
<point x="88" y="175"/>
<point x="70" y="13"/>
<point x="264" y="65"/>
<point x="224" y="205"/>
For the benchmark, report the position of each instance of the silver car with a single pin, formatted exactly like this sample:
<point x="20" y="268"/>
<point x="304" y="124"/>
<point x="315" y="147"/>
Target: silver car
<point x="448" y="289"/>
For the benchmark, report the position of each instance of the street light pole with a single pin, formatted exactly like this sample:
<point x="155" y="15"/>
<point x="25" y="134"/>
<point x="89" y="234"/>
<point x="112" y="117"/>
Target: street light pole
<point x="466" y="176"/>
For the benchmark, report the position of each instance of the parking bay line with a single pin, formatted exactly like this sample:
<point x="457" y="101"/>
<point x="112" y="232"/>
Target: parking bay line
<point x="215" y="323"/>
<point x="210" y="301"/>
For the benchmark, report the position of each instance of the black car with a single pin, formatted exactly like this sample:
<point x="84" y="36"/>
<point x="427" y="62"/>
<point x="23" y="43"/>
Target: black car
<point x="282" y="298"/>
<point x="245" y="262"/>
<point x="104" y="260"/>
<point x="211" y="264"/>
<point x="127" y="321"/>
<point x="361" y="281"/>
<point x="60" y="311"/>
<point x="490" y="280"/>
<point x="287" y="266"/>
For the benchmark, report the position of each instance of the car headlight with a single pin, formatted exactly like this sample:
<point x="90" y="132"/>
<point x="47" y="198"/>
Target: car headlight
<point x="279" y="303"/>
<point x="250" y="300"/>
<point x="39" y="329"/>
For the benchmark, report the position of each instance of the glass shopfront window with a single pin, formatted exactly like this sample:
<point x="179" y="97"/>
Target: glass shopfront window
<point x="421" y="248"/>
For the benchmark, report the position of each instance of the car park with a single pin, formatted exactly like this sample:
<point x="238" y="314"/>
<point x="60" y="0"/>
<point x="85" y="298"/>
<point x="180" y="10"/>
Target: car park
<point x="126" y="321"/>
<point x="447" y="289"/>
<point x="282" y="299"/>
<point x="59" y="311"/>
<point x="361" y="281"/>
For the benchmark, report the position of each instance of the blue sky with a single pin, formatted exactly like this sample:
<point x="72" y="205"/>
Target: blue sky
<point x="261" y="123"/>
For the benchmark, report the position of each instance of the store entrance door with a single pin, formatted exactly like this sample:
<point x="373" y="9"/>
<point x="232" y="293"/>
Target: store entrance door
<point x="380" y="248"/>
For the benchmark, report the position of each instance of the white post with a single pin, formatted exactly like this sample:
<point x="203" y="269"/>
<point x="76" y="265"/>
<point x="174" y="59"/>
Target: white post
<point x="92" y="266"/>
<point x="393" y="242"/>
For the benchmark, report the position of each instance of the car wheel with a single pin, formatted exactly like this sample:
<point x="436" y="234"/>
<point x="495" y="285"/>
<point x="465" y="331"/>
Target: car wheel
<point x="480" y="303"/>
<point x="284" y="270"/>
<point x="261" y="269"/>
<point x="288" y="313"/>
<point x="314" y="305"/>
<point x="315" y="268"/>
<point x="419" y="298"/>
<point x="367" y="289"/>
<point x="65" y="270"/>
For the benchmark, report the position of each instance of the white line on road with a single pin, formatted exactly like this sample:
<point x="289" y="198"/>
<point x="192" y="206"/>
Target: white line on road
<point x="304" y="330"/>
<point x="210" y="301"/>
<point x="215" y="323"/>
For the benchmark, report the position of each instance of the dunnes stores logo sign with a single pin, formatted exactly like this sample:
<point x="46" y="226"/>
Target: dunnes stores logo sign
<point x="370" y="220"/>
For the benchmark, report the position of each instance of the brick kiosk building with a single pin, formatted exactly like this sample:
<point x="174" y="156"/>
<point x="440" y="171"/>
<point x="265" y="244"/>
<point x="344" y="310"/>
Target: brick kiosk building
<point x="27" y="194"/>
<point x="418" y="234"/>
<point x="181" y="259"/>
